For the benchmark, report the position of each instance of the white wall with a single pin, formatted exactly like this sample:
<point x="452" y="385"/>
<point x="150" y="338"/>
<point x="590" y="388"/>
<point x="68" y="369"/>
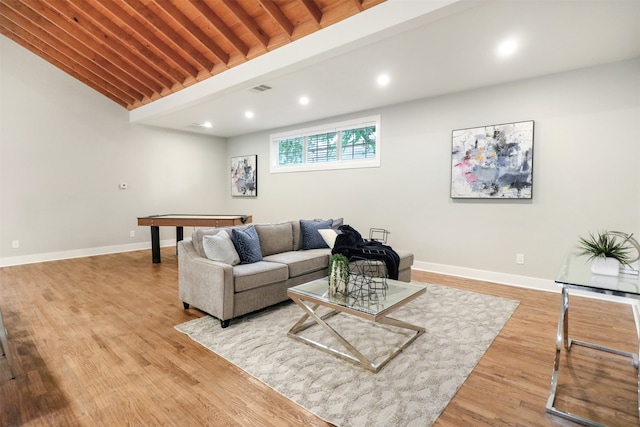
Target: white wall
<point x="64" y="149"/>
<point x="586" y="176"/>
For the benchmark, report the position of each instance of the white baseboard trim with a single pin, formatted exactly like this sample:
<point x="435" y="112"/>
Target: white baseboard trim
<point x="489" y="276"/>
<point x="80" y="253"/>
<point x="547" y="285"/>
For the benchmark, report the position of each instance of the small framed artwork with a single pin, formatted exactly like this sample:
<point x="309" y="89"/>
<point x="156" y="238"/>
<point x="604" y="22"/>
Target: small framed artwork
<point x="494" y="162"/>
<point x="244" y="176"/>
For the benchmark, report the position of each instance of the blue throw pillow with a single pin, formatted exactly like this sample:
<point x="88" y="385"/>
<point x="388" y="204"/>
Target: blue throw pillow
<point x="311" y="239"/>
<point x="247" y="244"/>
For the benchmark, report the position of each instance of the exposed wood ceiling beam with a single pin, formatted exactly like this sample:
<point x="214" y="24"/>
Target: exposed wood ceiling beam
<point x="193" y="29"/>
<point x="313" y="9"/>
<point x="247" y="21"/>
<point x="222" y="28"/>
<point x="137" y="51"/>
<point x="167" y="76"/>
<point x="281" y="19"/>
<point x="358" y="4"/>
<point x="127" y="22"/>
<point x="107" y="51"/>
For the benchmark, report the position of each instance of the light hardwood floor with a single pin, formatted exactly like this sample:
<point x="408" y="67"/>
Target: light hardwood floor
<point x="94" y="344"/>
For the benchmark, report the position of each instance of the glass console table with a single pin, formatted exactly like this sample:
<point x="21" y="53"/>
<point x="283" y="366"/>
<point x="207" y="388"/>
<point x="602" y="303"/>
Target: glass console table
<point x="575" y="274"/>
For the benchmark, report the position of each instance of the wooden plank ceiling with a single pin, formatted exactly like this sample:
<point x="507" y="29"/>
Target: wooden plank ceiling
<point x="137" y="51"/>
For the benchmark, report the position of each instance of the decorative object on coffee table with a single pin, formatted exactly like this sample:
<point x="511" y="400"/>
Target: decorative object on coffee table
<point x="338" y="274"/>
<point x="368" y="276"/>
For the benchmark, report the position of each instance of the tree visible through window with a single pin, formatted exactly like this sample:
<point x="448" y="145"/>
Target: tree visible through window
<point x="322" y="148"/>
<point x="291" y="151"/>
<point x="359" y="143"/>
<point x="351" y="144"/>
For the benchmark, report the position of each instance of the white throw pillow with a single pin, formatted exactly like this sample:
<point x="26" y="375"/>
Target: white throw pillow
<point x="329" y="236"/>
<point x="220" y="248"/>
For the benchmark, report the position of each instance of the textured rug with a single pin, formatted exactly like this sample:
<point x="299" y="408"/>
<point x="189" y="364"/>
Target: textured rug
<point x="411" y="390"/>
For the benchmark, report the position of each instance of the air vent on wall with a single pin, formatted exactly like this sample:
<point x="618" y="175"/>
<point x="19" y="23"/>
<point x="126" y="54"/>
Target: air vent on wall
<point x="260" y="88"/>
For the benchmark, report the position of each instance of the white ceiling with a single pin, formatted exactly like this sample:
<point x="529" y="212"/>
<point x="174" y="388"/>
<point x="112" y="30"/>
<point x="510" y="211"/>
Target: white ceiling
<point x="428" y="47"/>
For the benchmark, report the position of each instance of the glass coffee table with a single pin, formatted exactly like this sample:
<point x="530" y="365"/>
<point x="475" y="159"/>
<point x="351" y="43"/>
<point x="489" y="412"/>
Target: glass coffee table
<point x="310" y="296"/>
<point x="575" y="274"/>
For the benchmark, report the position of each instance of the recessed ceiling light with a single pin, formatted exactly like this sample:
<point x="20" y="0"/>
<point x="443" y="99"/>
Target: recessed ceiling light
<point x="383" y="79"/>
<point x="248" y="114"/>
<point x="304" y="100"/>
<point x="507" y="47"/>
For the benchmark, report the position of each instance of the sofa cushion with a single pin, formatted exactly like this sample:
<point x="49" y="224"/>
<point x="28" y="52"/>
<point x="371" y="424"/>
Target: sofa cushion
<point x="275" y="238"/>
<point x="247" y="243"/>
<point x="257" y="274"/>
<point x="219" y="247"/>
<point x="311" y="239"/>
<point x="302" y="262"/>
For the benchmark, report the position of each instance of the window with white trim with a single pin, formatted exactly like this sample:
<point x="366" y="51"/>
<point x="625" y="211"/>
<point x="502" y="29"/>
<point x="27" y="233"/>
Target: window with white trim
<point x="344" y="145"/>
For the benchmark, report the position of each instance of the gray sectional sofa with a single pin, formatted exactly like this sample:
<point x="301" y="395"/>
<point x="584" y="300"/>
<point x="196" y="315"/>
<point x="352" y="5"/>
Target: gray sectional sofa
<point x="289" y="253"/>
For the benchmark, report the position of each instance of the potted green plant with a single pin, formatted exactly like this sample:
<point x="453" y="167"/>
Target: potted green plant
<point x="338" y="274"/>
<point x="606" y="252"/>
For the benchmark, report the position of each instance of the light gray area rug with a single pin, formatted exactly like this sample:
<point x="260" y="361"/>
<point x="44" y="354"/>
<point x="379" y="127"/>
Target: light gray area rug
<point x="411" y="390"/>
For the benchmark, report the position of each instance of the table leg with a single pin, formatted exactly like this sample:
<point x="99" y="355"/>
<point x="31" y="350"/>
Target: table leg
<point x="155" y="244"/>
<point x="353" y="355"/>
<point x="179" y="236"/>
<point x="562" y="339"/>
<point x="565" y="318"/>
<point x="636" y="318"/>
<point x="4" y="345"/>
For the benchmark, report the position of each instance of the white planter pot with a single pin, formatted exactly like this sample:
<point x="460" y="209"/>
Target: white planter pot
<point x="605" y="266"/>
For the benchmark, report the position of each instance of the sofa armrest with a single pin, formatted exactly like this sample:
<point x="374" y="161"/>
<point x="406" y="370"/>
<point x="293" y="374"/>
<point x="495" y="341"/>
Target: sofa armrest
<point x="205" y="284"/>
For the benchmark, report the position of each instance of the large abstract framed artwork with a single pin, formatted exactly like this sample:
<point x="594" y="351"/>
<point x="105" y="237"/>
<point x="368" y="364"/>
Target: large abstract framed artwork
<point x="493" y="162"/>
<point x="244" y="176"/>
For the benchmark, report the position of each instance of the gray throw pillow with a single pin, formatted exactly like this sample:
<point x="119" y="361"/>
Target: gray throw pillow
<point x="311" y="239"/>
<point x="247" y="244"/>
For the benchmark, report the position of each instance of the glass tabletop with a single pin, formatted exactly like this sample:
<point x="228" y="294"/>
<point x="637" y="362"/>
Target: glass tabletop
<point x="576" y="273"/>
<point x="374" y="304"/>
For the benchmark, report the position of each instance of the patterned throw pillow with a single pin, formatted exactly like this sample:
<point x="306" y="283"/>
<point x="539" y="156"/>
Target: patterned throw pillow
<point x="219" y="247"/>
<point x="247" y="244"/>
<point x="311" y="239"/>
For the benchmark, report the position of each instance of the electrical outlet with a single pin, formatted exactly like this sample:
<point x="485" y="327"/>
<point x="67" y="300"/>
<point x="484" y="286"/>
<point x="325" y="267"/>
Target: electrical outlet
<point x="15" y="244"/>
<point x="132" y="233"/>
<point x="519" y="258"/>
